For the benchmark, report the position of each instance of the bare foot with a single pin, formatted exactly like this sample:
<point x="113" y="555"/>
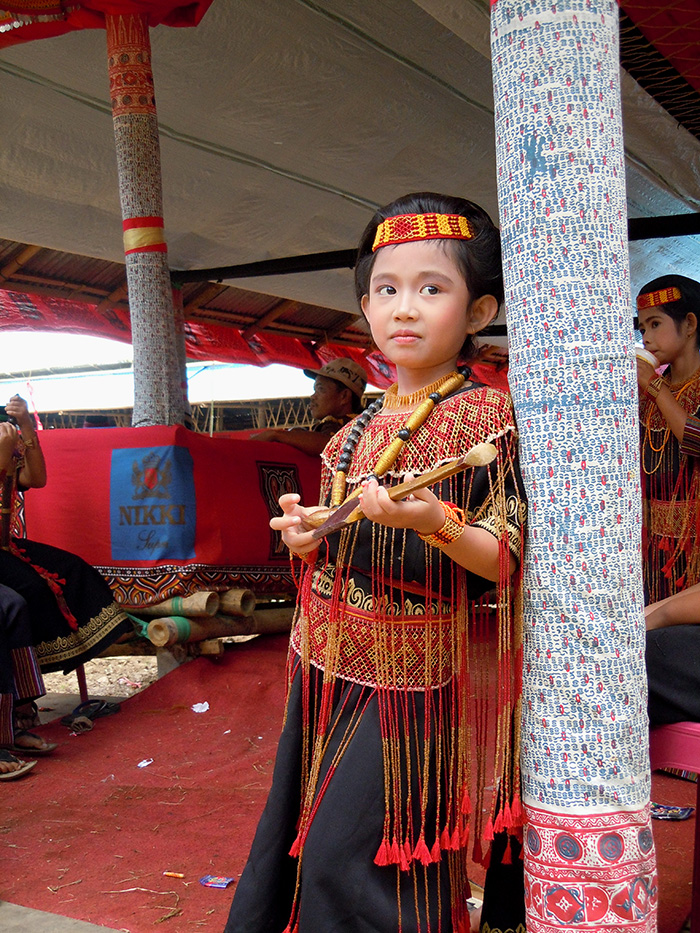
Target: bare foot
<point x="31" y="743"/>
<point x="26" y="716"/>
<point x="12" y="767"/>
<point x="474" y="915"/>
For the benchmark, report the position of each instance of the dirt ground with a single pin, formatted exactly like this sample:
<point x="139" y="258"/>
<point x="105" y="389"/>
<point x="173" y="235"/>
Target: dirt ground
<point x="114" y="677"/>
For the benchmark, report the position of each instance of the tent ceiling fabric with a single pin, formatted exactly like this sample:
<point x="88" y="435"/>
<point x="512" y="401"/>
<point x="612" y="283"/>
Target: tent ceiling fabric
<point x="283" y="124"/>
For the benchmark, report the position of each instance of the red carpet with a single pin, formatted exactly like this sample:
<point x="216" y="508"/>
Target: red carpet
<point x="89" y="834"/>
<point x="100" y="831"/>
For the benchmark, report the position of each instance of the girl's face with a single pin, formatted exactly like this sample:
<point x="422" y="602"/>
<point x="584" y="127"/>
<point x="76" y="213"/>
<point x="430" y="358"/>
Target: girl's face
<point x="416" y="307"/>
<point x="662" y="335"/>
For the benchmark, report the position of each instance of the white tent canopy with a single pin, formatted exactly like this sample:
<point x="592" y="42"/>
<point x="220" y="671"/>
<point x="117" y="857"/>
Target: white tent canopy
<point x="283" y="124"/>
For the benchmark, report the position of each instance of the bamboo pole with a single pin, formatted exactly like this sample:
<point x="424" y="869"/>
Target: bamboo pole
<point x="237" y="602"/>
<point x="204" y="603"/>
<point x="172" y="630"/>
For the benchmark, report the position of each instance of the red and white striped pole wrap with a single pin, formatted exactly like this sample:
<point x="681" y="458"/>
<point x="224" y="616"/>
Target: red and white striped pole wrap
<point x="156" y="338"/>
<point x="588" y="847"/>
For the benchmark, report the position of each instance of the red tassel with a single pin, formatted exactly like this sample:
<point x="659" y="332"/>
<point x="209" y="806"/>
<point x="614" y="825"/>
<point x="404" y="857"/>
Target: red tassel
<point x="382" y="856"/>
<point x="665" y="544"/>
<point x="463" y="836"/>
<point x="477" y="854"/>
<point x="488" y="831"/>
<point x="435" y="853"/>
<point x="394" y="857"/>
<point x="422" y="852"/>
<point x="445" y="838"/>
<point x="296" y="848"/>
<point x="455" y="841"/>
<point x="680" y="582"/>
<point x="403" y="861"/>
<point x="466" y="807"/>
<point x="507" y="856"/>
<point x="516" y="811"/>
<point x="507" y="816"/>
<point x="498" y="825"/>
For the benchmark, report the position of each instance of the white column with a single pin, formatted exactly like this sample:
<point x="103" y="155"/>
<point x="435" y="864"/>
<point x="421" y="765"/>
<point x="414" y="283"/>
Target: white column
<point x="588" y="848"/>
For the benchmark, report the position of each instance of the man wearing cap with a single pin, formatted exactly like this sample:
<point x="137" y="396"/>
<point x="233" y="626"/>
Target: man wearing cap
<point x="336" y="399"/>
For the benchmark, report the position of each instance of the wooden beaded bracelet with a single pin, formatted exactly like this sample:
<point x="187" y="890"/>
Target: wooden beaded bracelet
<point x="451" y="529"/>
<point x="654" y="387"/>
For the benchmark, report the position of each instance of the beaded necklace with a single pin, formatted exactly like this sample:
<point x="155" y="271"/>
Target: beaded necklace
<point x="677" y="393"/>
<point x="425" y="400"/>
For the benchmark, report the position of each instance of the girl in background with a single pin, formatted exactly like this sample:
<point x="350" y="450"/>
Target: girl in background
<point x="669" y="414"/>
<point x="669" y="309"/>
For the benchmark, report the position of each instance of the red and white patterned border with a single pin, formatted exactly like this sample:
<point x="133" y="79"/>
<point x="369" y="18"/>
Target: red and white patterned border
<point x="594" y="872"/>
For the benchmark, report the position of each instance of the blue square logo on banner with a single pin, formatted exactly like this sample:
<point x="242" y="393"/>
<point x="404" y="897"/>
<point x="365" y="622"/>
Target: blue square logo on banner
<point x="152" y="504"/>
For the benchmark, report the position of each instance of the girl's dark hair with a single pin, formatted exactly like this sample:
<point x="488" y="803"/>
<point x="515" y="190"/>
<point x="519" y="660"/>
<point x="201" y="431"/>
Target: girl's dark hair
<point x="479" y="258"/>
<point x="677" y="310"/>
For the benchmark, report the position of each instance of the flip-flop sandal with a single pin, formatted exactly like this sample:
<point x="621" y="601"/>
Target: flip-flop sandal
<point x="90" y="709"/>
<point x="26" y="766"/>
<point x="79" y="724"/>
<point x="45" y="749"/>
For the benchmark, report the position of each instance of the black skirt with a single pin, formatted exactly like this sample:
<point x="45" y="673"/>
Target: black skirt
<point x="59" y="646"/>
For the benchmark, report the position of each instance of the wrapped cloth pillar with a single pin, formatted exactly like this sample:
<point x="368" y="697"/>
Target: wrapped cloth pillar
<point x="158" y="342"/>
<point x="588" y="847"/>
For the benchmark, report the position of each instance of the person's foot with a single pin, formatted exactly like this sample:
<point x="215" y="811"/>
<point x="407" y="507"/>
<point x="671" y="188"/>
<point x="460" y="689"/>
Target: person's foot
<point x="12" y="767"/>
<point x="26" y="716"/>
<point x="474" y="904"/>
<point x="29" y="743"/>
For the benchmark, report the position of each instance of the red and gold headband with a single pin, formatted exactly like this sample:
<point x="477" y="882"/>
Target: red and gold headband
<point x="406" y="228"/>
<point x="663" y="297"/>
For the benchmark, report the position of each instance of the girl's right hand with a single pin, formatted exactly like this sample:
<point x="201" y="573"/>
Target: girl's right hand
<point x="645" y="373"/>
<point x="295" y="534"/>
<point x="8" y="442"/>
<point x="8" y="436"/>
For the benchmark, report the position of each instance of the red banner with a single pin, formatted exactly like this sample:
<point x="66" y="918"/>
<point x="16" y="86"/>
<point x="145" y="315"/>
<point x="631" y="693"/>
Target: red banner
<point x="166" y="509"/>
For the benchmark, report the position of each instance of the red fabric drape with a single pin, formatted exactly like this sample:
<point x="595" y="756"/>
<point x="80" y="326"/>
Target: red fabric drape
<point x="44" y="19"/>
<point x="673" y="28"/>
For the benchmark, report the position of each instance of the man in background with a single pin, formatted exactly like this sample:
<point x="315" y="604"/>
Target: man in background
<point x="336" y="399"/>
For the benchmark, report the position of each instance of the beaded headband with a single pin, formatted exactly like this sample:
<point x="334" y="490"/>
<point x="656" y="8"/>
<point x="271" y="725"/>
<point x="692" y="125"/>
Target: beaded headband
<point x="663" y="297"/>
<point x="406" y="228"/>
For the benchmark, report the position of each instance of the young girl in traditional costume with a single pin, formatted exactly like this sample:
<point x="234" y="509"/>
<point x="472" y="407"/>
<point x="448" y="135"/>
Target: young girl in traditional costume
<point x="669" y="319"/>
<point x="389" y="712"/>
<point x="669" y="414"/>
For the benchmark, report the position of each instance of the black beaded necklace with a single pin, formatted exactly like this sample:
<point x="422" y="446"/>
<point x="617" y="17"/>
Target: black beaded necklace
<point x="439" y="390"/>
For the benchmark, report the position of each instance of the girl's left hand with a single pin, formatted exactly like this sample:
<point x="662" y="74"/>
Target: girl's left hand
<point x="421" y="510"/>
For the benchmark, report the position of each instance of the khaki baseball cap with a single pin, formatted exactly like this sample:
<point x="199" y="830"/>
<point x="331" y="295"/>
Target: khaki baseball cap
<point x="343" y="370"/>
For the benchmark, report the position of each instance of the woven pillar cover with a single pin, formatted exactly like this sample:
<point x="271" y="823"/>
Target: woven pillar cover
<point x="588" y="848"/>
<point x="158" y="395"/>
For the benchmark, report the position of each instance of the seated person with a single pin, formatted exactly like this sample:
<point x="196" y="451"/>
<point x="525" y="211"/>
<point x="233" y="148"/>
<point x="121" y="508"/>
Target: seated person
<point x="673" y="657"/>
<point x="336" y="399"/>
<point x="20" y="684"/>
<point x="72" y="611"/>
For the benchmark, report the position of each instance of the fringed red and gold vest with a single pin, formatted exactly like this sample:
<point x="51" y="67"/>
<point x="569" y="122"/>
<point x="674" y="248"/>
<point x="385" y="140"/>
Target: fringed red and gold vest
<point x="671" y="496"/>
<point x="379" y="607"/>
